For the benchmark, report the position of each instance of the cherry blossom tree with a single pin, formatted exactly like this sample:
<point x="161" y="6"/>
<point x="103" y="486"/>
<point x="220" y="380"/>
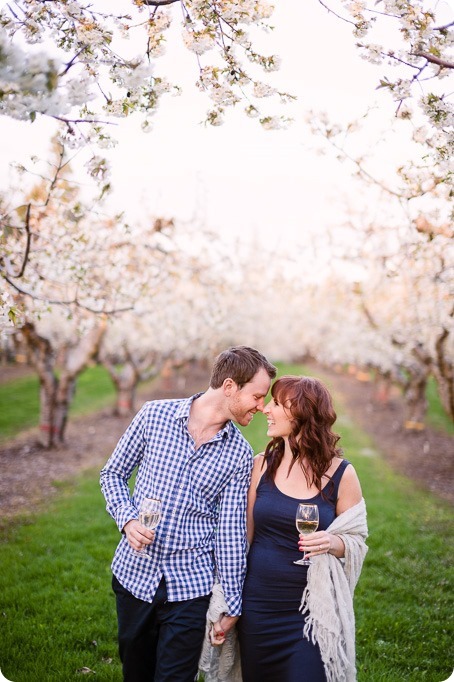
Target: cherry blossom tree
<point x="410" y="300"/>
<point x="87" y="66"/>
<point x="400" y="241"/>
<point x="178" y="324"/>
<point x="128" y="355"/>
<point x="60" y="249"/>
<point x="64" y="346"/>
<point x="411" y="44"/>
<point x="68" y="269"/>
<point x="386" y="307"/>
<point x="92" y="68"/>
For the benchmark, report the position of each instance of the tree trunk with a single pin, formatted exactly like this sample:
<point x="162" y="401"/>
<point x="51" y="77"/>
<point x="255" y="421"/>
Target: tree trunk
<point x="42" y="357"/>
<point x="63" y="399"/>
<point x="444" y="373"/>
<point x="415" y="401"/>
<point x="47" y="392"/>
<point x="383" y="387"/>
<point x="126" y="378"/>
<point x="125" y="403"/>
<point x="56" y="394"/>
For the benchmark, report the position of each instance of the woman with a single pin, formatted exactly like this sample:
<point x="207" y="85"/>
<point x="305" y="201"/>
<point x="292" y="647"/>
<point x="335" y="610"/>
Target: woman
<point x="285" y="636"/>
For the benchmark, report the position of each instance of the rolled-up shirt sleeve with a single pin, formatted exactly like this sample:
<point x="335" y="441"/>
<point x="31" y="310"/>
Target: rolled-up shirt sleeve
<point x="231" y="539"/>
<point x="119" y="468"/>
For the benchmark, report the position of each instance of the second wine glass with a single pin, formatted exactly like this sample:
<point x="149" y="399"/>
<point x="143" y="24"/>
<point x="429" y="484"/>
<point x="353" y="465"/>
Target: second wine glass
<point x="306" y="522"/>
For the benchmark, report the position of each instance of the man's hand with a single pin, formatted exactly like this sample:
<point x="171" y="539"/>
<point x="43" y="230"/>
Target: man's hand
<point x="220" y="629"/>
<point x="137" y="535"/>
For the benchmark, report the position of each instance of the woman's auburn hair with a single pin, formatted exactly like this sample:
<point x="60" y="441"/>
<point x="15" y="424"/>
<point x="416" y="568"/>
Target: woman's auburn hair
<point x="312" y="440"/>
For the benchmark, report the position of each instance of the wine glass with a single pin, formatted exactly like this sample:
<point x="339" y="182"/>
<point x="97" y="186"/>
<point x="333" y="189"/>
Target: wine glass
<point x="306" y="522"/>
<point x="149" y="515"/>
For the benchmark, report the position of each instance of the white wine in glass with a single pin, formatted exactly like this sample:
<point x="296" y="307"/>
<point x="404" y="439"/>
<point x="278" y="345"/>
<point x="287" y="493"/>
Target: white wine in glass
<point x="149" y="515"/>
<point x="306" y="522"/>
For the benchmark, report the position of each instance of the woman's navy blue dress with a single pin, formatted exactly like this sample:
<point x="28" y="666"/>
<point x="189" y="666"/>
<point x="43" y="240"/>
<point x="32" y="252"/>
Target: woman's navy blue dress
<point x="270" y="629"/>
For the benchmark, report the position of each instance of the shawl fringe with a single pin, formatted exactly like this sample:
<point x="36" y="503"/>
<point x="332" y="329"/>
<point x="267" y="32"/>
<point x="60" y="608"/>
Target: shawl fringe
<point x="327" y="600"/>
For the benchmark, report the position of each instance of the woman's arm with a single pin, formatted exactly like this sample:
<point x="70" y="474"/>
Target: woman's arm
<point x="257" y="470"/>
<point x="323" y="542"/>
<point x="349" y="495"/>
<point x="349" y="490"/>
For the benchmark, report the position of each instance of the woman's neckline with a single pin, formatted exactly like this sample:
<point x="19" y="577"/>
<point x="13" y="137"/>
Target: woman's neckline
<point x="308" y="499"/>
<point x="298" y="498"/>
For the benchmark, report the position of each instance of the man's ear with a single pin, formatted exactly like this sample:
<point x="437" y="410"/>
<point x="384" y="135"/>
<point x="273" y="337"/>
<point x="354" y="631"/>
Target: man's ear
<point x="229" y="387"/>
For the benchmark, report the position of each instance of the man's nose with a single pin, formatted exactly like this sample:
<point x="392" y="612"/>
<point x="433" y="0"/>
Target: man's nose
<point x="261" y="405"/>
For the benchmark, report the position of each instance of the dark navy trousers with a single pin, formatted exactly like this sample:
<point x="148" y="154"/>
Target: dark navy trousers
<point x="159" y="641"/>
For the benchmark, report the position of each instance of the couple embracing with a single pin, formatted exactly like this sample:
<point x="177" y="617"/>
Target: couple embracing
<point x="227" y="531"/>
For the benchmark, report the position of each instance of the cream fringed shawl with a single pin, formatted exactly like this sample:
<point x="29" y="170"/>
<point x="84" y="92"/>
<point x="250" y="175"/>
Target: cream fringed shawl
<point x="220" y="663"/>
<point x="328" y="597"/>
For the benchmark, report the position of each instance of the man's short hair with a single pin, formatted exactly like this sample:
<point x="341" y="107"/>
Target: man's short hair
<point x="241" y="364"/>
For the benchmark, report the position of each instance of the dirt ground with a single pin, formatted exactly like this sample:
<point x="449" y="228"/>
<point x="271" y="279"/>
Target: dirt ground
<point x="426" y="456"/>
<point x="30" y="475"/>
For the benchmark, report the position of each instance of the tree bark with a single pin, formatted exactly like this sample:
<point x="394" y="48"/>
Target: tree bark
<point x="56" y="393"/>
<point x="415" y="399"/>
<point x="444" y="373"/>
<point x="126" y="378"/>
<point x="47" y="392"/>
<point x="64" y="396"/>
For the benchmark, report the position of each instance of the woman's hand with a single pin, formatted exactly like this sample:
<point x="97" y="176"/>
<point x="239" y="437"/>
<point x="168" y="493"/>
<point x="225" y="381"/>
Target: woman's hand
<point x="137" y="535"/>
<point x="220" y="629"/>
<point x="321" y="542"/>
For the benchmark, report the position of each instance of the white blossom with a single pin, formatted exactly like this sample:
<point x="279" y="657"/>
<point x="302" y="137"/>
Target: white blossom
<point x="271" y="123"/>
<point x="89" y="53"/>
<point x="199" y="41"/>
<point x="263" y="90"/>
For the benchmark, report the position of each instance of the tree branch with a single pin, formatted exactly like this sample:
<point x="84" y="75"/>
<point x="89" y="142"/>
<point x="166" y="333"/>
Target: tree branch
<point x="443" y="28"/>
<point x="27" y="245"/>
<point x="8" y="264"/>
<point x="434" y="60"/>
<point x="157" y="3"/>
<point x="348" y="21"/>
<point x="70" y="63"/>
<point x="82" y="120"/>
<point x="73" y="301"/>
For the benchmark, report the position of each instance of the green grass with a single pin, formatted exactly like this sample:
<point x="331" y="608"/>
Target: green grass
<point x="19" y="399"/>
<point x="57" y="611"/>
<point x="403" y="601"/>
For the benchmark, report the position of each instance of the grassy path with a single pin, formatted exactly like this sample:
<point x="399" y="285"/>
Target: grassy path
<point x="19" y="399"/>
<point x="57" y="612"/>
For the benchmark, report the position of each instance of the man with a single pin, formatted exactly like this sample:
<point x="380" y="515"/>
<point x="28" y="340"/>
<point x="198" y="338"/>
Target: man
<point x="191" y="456"/>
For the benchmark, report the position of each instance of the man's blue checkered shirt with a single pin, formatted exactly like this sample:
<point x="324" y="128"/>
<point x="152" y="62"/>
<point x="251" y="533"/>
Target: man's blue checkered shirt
<point x="202" y="533"/>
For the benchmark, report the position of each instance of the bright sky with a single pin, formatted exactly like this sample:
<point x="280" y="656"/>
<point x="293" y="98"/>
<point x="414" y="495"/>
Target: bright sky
<point x="241" y="179"/>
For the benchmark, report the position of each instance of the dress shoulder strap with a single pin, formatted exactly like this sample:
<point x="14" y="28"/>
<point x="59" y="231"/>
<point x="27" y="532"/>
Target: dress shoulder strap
<point x="336" y="477"/>
<point x="340" y="470"/>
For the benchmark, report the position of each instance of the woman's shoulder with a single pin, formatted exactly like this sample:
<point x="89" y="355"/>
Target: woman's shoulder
<point x="349" y="488"/>
<point x="339" y="463"/>
<point x="259" y="467"/>
<point x="259" y="462"/>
